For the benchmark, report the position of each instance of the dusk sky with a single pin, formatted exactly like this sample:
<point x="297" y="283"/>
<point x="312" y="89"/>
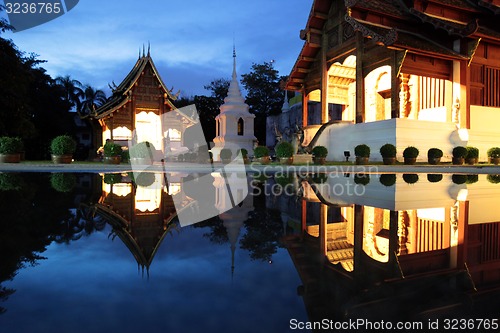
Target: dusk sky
<point x="98" y="42"/>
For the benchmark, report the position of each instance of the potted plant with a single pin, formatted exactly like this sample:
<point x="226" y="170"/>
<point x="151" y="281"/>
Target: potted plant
<point x="387" y="179"/>
<point x="10" y="181"/>
<point x="494" y="179"/>
<point x="261" y="154"/>
<point x="458" y="179"/>
<point x="362" y="153"/>
<point x="494" y="155"/>
<point x="434" y="177"/>
<point x="63" y="182"/>
<point x="410" y="178"/>
<point x="434" y="156"/>
<point x="362" y="178"/>
<point x="225" y="155"/>
<point x="319" y="178"/>
<point x="140" y="153"/>
<point x="458" y="154"/>
<point x="388" y="152"/>
<point x="62" y="148"/>
<point x="112" y="153"/>
<point x="112" y="178"/>
<point x="9" y="150"/>
<point x="472" y="155"/>
<point x="410" y="155"/>
<point x="471" y="179"/>
<point x="319" y="154"/>
<point x="284" y="152"/>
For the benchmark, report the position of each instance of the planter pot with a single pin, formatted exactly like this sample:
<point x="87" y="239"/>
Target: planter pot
<point x="141" y="160"/>
<point x="22" y="155"/>
<point x="112" y="159"/>
<point x="410" y="160"/>
<point x="62" y="159"/>
<point x="286" y="160"/>
<point x="362" y="160"/>
<point x="263" y="160"/>
<point x="458" y="160"/>
<point x="495" y="160"/>
<point x="471" y="160"/>
<point x="319" y="160"/>
<point x="10" y="158"/>
<point x="246" y="160"/>
<point x="434" y="160"/>
<point x="389" y="160"/>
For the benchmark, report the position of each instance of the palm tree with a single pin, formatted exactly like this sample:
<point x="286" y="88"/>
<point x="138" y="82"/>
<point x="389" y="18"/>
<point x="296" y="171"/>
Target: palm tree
<point x="72" y="90"/>
<point x="92" y="99"/>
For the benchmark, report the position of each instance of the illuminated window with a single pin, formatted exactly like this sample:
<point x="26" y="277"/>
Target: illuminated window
<point x="173" y="134"/>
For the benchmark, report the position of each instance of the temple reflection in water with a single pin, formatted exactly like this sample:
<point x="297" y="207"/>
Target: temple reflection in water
<point x="405" y="246"/>
<point x="408" y="246"/>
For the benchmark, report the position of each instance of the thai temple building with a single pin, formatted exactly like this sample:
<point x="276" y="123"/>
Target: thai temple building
<point x="235" y="124"/>
<point x="137" y="110"/>
<point x="406" y="72"/>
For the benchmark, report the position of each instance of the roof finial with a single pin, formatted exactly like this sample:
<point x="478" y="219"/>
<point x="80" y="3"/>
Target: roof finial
<point x="139" y="52"/>
<point x="143" y="50"/>
<point x="149" y="48"/>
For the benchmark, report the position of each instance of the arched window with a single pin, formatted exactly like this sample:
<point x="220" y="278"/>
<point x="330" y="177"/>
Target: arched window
<point x="240" y="126"/>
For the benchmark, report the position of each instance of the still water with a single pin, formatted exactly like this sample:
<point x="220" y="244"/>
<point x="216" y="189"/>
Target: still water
<point x="108" y="253"/>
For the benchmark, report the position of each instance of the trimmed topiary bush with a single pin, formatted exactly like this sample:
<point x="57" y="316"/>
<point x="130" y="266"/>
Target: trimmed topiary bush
<point x="388" y="150"/>
<point x="387" y="179"/>
<point x="260" y="151"/>
<point x="9" y="145"/>
<point x="434" y="153"/>
<point x="459" y="152"/>
<point x="63" y="145"/>
<point x="410" y="152"/>
<point x="472" y="152"/>
<point x="494" y="179"/>
<point x="284" y="150"/>
<point x="320" y="151"/>
<point x="63" y="182"/>
<point x="113" y="149"/>
<point x="362" y="150"/>
<point x="434" y="177"/>
<point x="410" y="178"/>
<point x="362" y="178"/>
<point x="226" y="154"/>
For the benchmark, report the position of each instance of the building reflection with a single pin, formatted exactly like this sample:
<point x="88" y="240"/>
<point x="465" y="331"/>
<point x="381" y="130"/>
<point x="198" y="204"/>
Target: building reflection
<point x="398" y="250"/>
<point x="143" y="208"/>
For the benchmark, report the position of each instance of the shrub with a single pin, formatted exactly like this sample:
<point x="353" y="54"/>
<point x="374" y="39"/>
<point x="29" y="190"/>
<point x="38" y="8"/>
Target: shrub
<point x="459" y="152"/>
<point x="126" y="156"/>
<point x="458" y="179"/>
<point x="261" y="151"/>
<point x="410" y="178"/>
<point x="434" y="153"/>
<point x="362" y="151"/>
<point x="494" y="179"/>
<point x="112" y="178"/>
<point x="320" y="151"/>
<point x="362" y="178"/>
<point x="63" y="145"/>
<point x="388" y="150"/>
<point x="113" y="149"/>
<point x="387" y="179"/>
<point x="143" y="149"/>
<point x="284" y="149"/>
<point x="8" y="145"/>
<point x="63" y="182"/>
<point x="472" y="152"/>
<point x="145" y="179"/>
<point x="10" y="181"/>
<point x="319" y="178"/>
<point x="410" y="152"/>
<point x="434" y="177"/>
<point x="494" y="152"/>
<point x="471" y="179"/>
<point x="226" y="154"/>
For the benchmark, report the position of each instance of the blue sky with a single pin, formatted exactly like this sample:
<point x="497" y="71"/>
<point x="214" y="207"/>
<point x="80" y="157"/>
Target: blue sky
<point x="191" y="41"/>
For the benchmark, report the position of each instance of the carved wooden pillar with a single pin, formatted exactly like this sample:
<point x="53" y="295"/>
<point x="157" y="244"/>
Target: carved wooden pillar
<point x="360" y="81"/>
<point x="305" y="111"/>
<point x="324" y="80"/>
<point x="395" y="85"/>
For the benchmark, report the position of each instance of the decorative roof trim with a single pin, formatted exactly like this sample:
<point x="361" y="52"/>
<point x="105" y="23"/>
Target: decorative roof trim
<point x="465" y="31"/>
<point x="471" y="50"/>
<point x="389" y="39"/>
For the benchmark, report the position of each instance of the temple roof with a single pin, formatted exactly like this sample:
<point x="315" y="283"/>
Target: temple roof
<point x="422" y="27"/>
<point x="122" y="92"/>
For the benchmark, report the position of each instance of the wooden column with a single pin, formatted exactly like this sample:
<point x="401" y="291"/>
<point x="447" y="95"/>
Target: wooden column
<point x="323" y="228"/>
<point x="358" y="239"/>
<point x="463" y="221"/>
<point x="395" y="86"/>
<point x="324" y="80"/>
<point x="305" y="111"/>
<point x="360" y="82"/>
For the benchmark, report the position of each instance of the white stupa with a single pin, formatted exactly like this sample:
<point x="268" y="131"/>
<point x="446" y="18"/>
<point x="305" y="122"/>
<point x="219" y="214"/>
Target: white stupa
<point x="234" y="124"/>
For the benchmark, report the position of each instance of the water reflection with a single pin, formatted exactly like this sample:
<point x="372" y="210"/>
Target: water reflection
<point x="408" y="246"/>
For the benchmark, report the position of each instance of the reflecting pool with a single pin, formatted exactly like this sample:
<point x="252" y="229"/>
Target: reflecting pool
<point x="272" y="253"/>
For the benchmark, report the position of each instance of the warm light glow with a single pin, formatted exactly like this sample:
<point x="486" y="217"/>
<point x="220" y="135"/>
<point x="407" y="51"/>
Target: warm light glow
<point x="148" y="128"/>
<point x="173" y="134"/>
<point x="462" y="194"/>
<point x="121" y="189"/>
<point x="147" y="199"/>
<point x="463" y="134"/>
<point x="435" y="214"/>
<point x="122" y="133"/>
<point x="173" y="188"/>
